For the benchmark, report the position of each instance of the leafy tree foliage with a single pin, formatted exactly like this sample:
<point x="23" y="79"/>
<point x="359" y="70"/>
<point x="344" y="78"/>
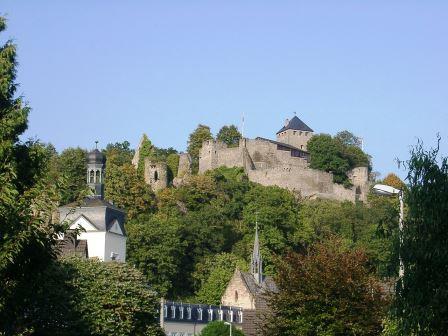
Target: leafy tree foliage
<point x="195" y="140"/>
<point x="119" y="153"/>
<point x="229" y="135"/>
<point x="326" y="291"/>
<point x="146" y="150"/>
<point x="89" y="297"/>
<point x="155" y="247"/>
<point x="218" y="328"/>
<point x="347" y="138"/>
<point x="394" y="181"/>
<point x="72" y="164"/>
<point x="27" y="200"/>
<point x="336" y="155"/>
<point x="213" y="274"/>
<point x="172" y="161"/>
<point x="127" y="190"/>
<point x="422" y="292"/>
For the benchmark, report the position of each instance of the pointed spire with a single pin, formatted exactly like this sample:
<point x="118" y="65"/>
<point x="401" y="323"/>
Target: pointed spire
<point x="256" y="264"/>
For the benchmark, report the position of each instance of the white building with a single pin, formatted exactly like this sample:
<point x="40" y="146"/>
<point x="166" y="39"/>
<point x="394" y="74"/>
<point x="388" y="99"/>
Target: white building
<point x="101" y="224"/>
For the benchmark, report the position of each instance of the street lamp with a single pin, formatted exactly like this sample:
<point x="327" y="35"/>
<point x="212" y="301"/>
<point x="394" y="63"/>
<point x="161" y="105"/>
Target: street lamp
<point x="230" y="327"/>
<point x="385" y="190"/>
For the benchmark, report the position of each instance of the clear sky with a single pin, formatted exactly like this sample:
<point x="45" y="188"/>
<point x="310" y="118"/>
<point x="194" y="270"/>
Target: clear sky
<point x="111" y="70"/>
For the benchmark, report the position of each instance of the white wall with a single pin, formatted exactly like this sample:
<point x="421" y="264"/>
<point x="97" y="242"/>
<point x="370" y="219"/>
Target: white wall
<point x="96" y="243"/>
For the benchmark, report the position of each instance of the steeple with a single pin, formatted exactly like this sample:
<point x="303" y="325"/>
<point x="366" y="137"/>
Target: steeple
<point x="256" y="263"/>
<point x="95" y="172"/>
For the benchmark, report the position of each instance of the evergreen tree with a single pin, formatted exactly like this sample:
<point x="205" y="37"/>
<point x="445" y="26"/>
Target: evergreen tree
<point x="199" y="135"/>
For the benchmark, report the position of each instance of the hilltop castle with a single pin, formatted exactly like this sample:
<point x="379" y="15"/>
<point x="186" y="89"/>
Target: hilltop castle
<point x="283" y="162"/>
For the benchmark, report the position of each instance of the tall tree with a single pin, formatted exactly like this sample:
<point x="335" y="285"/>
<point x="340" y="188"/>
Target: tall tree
<point x="229" y="135"/>
<point x="422" y="292"/>
<point x="195" y="140"/>
<point x="127" y="190"/>
<point x="27" y="200"/>
<point x="348" y="138"/>
<point x="327" y="291"/>
<point x="72" y="164"/>
<point x="119" y="153"/>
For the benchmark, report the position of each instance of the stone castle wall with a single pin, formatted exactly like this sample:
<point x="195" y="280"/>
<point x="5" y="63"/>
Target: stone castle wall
<point x="270" y="163"/>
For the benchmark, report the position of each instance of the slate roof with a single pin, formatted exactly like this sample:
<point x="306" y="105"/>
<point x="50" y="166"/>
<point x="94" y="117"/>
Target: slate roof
<point x="282" y="144"/>
<point x="296" y="124"/>
<point x="97" y="211"/>
<point x="255" y="289"/>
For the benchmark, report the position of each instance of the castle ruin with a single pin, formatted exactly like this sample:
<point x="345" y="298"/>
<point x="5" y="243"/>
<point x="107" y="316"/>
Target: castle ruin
<point x="285" y="163"/>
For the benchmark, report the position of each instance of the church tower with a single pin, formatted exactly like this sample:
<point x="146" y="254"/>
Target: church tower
<point x="95" y="172"/>
<point x="256" y="262"/>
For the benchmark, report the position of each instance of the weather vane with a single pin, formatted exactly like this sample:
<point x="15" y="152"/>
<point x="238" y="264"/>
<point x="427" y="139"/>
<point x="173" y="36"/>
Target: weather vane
<point x="96" y="144"/>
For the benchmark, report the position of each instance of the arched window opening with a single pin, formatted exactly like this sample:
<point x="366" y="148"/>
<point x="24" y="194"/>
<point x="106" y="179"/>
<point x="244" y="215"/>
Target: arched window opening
<point x="236" y="296"/>
<point x="97" y="176"/>
<point x="156" y="175"/>
<point x="92" y="177"/>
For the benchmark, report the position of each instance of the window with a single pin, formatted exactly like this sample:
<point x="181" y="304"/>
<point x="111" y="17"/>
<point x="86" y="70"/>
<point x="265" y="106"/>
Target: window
<point x="210" y="314"/>
<point x="200" y="314"/>
<point x="189" y="313"/>
<point x="236" y="296"/>
<point x="165" y="311"/>
<point x="294" y="132"/>
<point x="240" y="316"/>
<point x="97" y="176"/>
<point x="156" y="175"/>
<point x="221" y="314"/>
<point x="173" y="311"/>
<point x="92" y="177"/>
<point x="300" y="133"/>
<point x="181" y="312"/>
<point x="231" y="316"/>
<point x="306" y="133"/>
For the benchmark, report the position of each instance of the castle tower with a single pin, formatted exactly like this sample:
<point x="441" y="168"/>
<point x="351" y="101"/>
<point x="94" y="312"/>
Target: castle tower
<point x="295" y="133"/>
<point x="256" y="262"/>
<point x="95" y="172"/>
<point x="156" y="174"/>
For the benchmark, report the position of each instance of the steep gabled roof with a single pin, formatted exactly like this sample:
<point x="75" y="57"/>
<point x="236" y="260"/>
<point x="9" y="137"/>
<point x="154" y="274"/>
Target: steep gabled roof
<point x="296" y="124"/>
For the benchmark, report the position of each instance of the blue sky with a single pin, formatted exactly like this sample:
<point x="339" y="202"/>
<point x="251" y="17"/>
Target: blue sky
<point x="111" y="70"/>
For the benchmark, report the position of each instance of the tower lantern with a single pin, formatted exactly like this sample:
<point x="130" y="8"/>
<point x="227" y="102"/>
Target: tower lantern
<point x="95" y="172"/>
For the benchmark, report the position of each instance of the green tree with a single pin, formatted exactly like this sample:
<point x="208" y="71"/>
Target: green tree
<point x="229" y="135"/>
<point x="27" y="201"/>
<point x="336" y="155"/>
<point x="89" y="297"/>
<point x="172" y="161"/>
<point x="327" y="291"/>
<point x="127" y="190"/>
<point x="347" y="138"/>
<point x="72" y="164"/>
<point x="394" y="181"/>
<point x="422" y="292"/>
<point x="213" y="274"/>
<point x="154" y="247"/>
<point x="195" y="140"/>
<point x="146" y="150"/>
<point x="218" y="328"/>
<point x="119" y="153"/>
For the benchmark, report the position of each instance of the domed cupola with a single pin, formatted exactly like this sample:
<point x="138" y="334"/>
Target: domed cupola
<point x="96" y="164"/>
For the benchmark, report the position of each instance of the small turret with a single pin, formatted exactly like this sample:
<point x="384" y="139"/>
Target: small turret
<point x="96" y="162"/>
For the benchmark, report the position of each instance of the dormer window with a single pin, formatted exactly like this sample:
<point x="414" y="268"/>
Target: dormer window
<point x="240" y="316"/>
<point x="221" y="314"/>
<point x="306" y="133"/>
<point x="165" y="311"/>
<point x="173" y="312"/>
<point x="189" y="313"/>
<point x="181" y="312"/>
<point x="231" y="316"/>
<point x="300" y="133"/>
<point x="210" y="314"/>
<point x="200" y="314"/>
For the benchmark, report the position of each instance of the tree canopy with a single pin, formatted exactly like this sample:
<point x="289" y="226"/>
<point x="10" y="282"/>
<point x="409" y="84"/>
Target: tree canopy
<point x="328" y="290"/>
<point x="229" y="135"/>
<point x="218" y="328"/>
<point x="195" y="140"/>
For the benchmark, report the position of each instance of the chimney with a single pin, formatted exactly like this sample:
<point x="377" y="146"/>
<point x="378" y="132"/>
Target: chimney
<point x="286" y="122"/>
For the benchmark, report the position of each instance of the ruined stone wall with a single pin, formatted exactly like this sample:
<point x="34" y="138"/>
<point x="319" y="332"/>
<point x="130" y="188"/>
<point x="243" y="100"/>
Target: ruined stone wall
<point x="156" y="174"/>
<point x="214" y="154"/>
<point x="184" y="167"/>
